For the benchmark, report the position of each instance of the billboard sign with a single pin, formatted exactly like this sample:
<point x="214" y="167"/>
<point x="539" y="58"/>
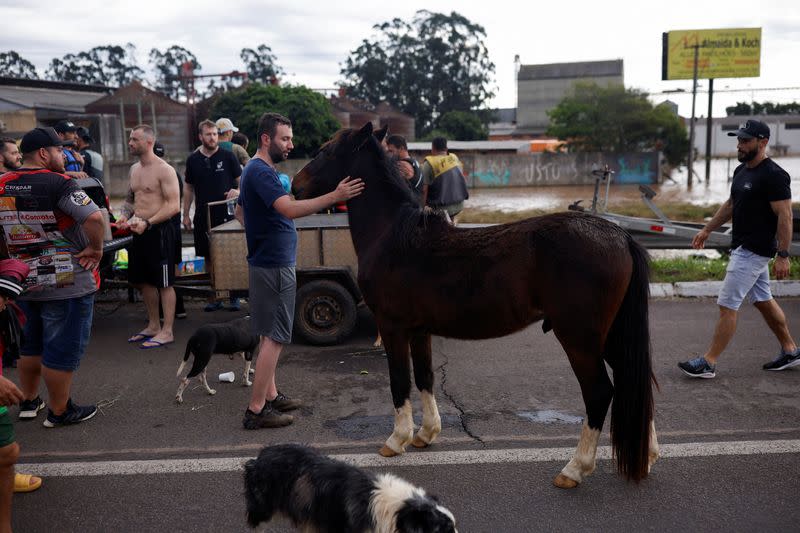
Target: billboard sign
<point x="724" y="53"/>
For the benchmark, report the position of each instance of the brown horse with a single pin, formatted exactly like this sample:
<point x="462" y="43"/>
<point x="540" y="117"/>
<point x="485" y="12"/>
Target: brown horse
<point x="583" y="276"/>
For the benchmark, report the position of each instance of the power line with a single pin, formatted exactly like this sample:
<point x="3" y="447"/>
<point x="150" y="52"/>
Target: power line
<point x="705" y="91"/>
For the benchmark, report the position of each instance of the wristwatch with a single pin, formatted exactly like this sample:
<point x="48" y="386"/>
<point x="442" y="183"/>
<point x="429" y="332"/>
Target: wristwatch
<point x="783" y="253"/>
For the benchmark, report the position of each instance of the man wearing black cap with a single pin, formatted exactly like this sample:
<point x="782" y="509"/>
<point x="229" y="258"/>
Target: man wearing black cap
<point x="760" y="205"/>
<point x="73" y="161"/>
<point x="51" y="224"/>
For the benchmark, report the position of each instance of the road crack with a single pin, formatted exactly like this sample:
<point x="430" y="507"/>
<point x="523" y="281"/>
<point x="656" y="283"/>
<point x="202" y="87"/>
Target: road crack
<point x="462" y="414"/>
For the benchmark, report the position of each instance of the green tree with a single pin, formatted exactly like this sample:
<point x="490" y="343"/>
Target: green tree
<point x="168" y="65"/>
<point x="462" y="126"/>
<point x="16" y="66"/>
<point x="763" y="108"/>
<point x="261" y="64"/>
<point x="428" y="66"/>
<point x="312" y="119"/>
<point x="112" y="65"/>
<point x="615" y="119"/>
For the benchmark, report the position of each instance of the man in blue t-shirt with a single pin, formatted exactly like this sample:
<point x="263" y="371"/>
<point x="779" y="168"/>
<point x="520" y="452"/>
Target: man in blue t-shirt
<point x="266" y="211"/>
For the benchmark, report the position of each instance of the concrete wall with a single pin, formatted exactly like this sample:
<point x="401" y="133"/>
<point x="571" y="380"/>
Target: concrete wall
<point x="544" y="169"/>
<point x="526" y="170"/>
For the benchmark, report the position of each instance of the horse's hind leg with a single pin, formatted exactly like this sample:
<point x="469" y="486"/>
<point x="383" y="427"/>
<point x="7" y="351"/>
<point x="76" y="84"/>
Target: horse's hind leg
<point x="653" y="453"/>
<point x="396" y="344"/>
<point x="423" y="376"/>
<point x="597" y="392"/>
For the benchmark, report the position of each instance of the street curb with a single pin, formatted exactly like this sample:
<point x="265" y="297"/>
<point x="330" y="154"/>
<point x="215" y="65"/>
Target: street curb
<point x="705" y="289"/>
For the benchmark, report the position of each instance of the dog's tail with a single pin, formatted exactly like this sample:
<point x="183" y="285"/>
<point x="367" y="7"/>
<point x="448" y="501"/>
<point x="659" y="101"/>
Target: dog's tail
<point x="185" y="358"/>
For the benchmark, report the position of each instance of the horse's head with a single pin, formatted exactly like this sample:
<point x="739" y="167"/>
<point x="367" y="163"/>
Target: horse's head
<point x="334" y="162"/>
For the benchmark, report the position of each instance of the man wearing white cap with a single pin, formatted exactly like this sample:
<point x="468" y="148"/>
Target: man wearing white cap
<point x="226" y="130"/>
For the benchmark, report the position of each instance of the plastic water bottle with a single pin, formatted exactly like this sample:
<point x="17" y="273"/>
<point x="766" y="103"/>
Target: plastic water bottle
<point x="231" y="206"/>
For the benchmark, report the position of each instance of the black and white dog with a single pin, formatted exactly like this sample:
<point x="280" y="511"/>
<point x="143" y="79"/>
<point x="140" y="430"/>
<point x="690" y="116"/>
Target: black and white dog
<point x="320" y="494"/>
<point x="229" y="338"/>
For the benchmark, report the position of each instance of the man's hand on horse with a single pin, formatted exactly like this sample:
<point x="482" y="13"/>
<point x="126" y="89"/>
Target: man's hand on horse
<point x="348" y="188"/>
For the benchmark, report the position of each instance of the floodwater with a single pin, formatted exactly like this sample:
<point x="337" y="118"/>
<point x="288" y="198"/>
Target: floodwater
<point x="676" y="190"/>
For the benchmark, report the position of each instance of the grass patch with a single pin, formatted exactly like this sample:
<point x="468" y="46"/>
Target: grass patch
<point x="684" y="212"/>
<point x="700" y="269"/>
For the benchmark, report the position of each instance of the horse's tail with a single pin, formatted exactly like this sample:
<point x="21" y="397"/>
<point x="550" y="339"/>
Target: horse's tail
<point x="628" y="353"/>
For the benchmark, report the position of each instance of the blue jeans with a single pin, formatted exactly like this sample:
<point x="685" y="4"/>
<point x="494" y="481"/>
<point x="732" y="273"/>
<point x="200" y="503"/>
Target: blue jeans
<point x="58" y="330"/>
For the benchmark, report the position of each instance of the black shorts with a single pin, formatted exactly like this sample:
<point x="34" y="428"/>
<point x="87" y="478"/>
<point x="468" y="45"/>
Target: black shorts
<point x="151" y="256"/>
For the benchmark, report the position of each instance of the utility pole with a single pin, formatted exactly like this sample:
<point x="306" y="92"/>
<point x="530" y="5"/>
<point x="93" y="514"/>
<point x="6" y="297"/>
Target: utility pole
<point x="690" y="165"/>
<point x="709" y="124"/>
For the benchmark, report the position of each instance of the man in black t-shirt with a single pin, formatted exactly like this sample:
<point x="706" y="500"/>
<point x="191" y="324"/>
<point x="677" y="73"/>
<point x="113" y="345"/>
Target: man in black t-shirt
<point x="761" y="208"/>
<point x="212" y="174"/>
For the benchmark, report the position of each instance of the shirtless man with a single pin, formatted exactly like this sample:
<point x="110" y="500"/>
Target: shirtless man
<point x="153" y="199"/>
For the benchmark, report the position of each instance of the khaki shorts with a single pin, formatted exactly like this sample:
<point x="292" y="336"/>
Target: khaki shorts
<point x="271" y="300"/>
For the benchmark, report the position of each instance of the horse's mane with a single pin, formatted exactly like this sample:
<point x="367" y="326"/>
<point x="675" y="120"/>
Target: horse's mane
<point x="412" y="220"/>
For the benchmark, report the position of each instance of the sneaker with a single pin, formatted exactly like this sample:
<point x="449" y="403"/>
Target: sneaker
<point x="283" y="403"/>
<point x="784" y="360"/>
<point x="216" y="306"/>
<point x="697" y="368"/>
<point x="235" y="305"/>
<point x="180" y="315"/>
<point x="72" y="415"/>
<point x="28" y="409"/>
<point x="267" y="418"/>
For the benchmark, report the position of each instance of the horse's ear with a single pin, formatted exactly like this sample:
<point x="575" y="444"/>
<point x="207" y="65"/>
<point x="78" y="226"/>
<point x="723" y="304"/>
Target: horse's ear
<point x="381" y="133"/>
<point x="362" y="136"/>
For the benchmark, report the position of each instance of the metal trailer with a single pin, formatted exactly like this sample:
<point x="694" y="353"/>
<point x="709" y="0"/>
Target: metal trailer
<point x="661" y="232"/>
<point x="327" y="266"/>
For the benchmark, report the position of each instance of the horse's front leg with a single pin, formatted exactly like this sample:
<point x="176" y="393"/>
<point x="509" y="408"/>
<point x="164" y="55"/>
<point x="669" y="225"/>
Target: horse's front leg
<point x="423" y="376"/>
<point x="396" y="344"/>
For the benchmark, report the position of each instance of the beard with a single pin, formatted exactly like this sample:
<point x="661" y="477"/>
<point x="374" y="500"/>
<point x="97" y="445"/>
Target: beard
<point x="746" y="156"/>
<point x="276" y="154"/>
<point x="12" y="163"/>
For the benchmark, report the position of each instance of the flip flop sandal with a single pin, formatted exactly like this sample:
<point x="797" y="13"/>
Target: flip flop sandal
<point x="22" y="483"/>
<point x="139" y="337"/>
<point x="150" y="344"/>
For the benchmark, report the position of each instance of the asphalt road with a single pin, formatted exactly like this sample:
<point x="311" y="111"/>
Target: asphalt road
<point x="511" y="414"/>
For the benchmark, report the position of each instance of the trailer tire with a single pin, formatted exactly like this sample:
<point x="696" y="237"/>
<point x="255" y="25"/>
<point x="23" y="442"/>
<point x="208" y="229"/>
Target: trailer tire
<point x="325" y="312"/>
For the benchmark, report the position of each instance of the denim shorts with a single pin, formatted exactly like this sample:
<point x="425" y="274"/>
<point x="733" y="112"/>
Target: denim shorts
<point x="58" y="330"/>
<point x="747" y="276"/>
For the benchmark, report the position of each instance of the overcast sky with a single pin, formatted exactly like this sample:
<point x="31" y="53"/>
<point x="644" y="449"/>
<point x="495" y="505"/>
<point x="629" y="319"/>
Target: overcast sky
<point x="312" y="38"/>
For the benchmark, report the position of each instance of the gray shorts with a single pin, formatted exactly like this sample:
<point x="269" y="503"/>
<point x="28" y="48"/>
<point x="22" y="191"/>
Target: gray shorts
<point x="747" y="276"/>
<point x="271" y="300"/>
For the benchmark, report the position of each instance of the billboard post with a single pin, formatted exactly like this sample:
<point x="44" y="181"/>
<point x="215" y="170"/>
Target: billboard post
<point x="709" y="54"/>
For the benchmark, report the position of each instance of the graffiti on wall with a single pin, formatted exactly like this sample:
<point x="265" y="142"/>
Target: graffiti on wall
<point x="531" y="170"/>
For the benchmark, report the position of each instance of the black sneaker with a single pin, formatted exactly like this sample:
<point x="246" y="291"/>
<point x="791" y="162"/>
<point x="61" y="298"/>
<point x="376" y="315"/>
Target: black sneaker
<point x="267" y="418"/>
<point x="72" y="415"/>
<point x="697" y="368"/>
<point x="784" y="360"/>
<point x="283" y="403"/>
<point x="28" y="409"/>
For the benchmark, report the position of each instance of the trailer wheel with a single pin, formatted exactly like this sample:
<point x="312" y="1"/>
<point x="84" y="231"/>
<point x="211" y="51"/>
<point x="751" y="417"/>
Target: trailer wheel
<point x="325" y="312"/>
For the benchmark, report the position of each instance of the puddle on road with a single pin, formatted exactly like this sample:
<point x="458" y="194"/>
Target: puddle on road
<point x="548" y="416"/>
<point x="370" y="427"/>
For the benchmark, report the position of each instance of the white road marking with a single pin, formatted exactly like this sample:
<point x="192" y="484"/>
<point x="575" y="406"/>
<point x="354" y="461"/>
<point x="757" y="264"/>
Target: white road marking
<point x="509" y="455"/>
